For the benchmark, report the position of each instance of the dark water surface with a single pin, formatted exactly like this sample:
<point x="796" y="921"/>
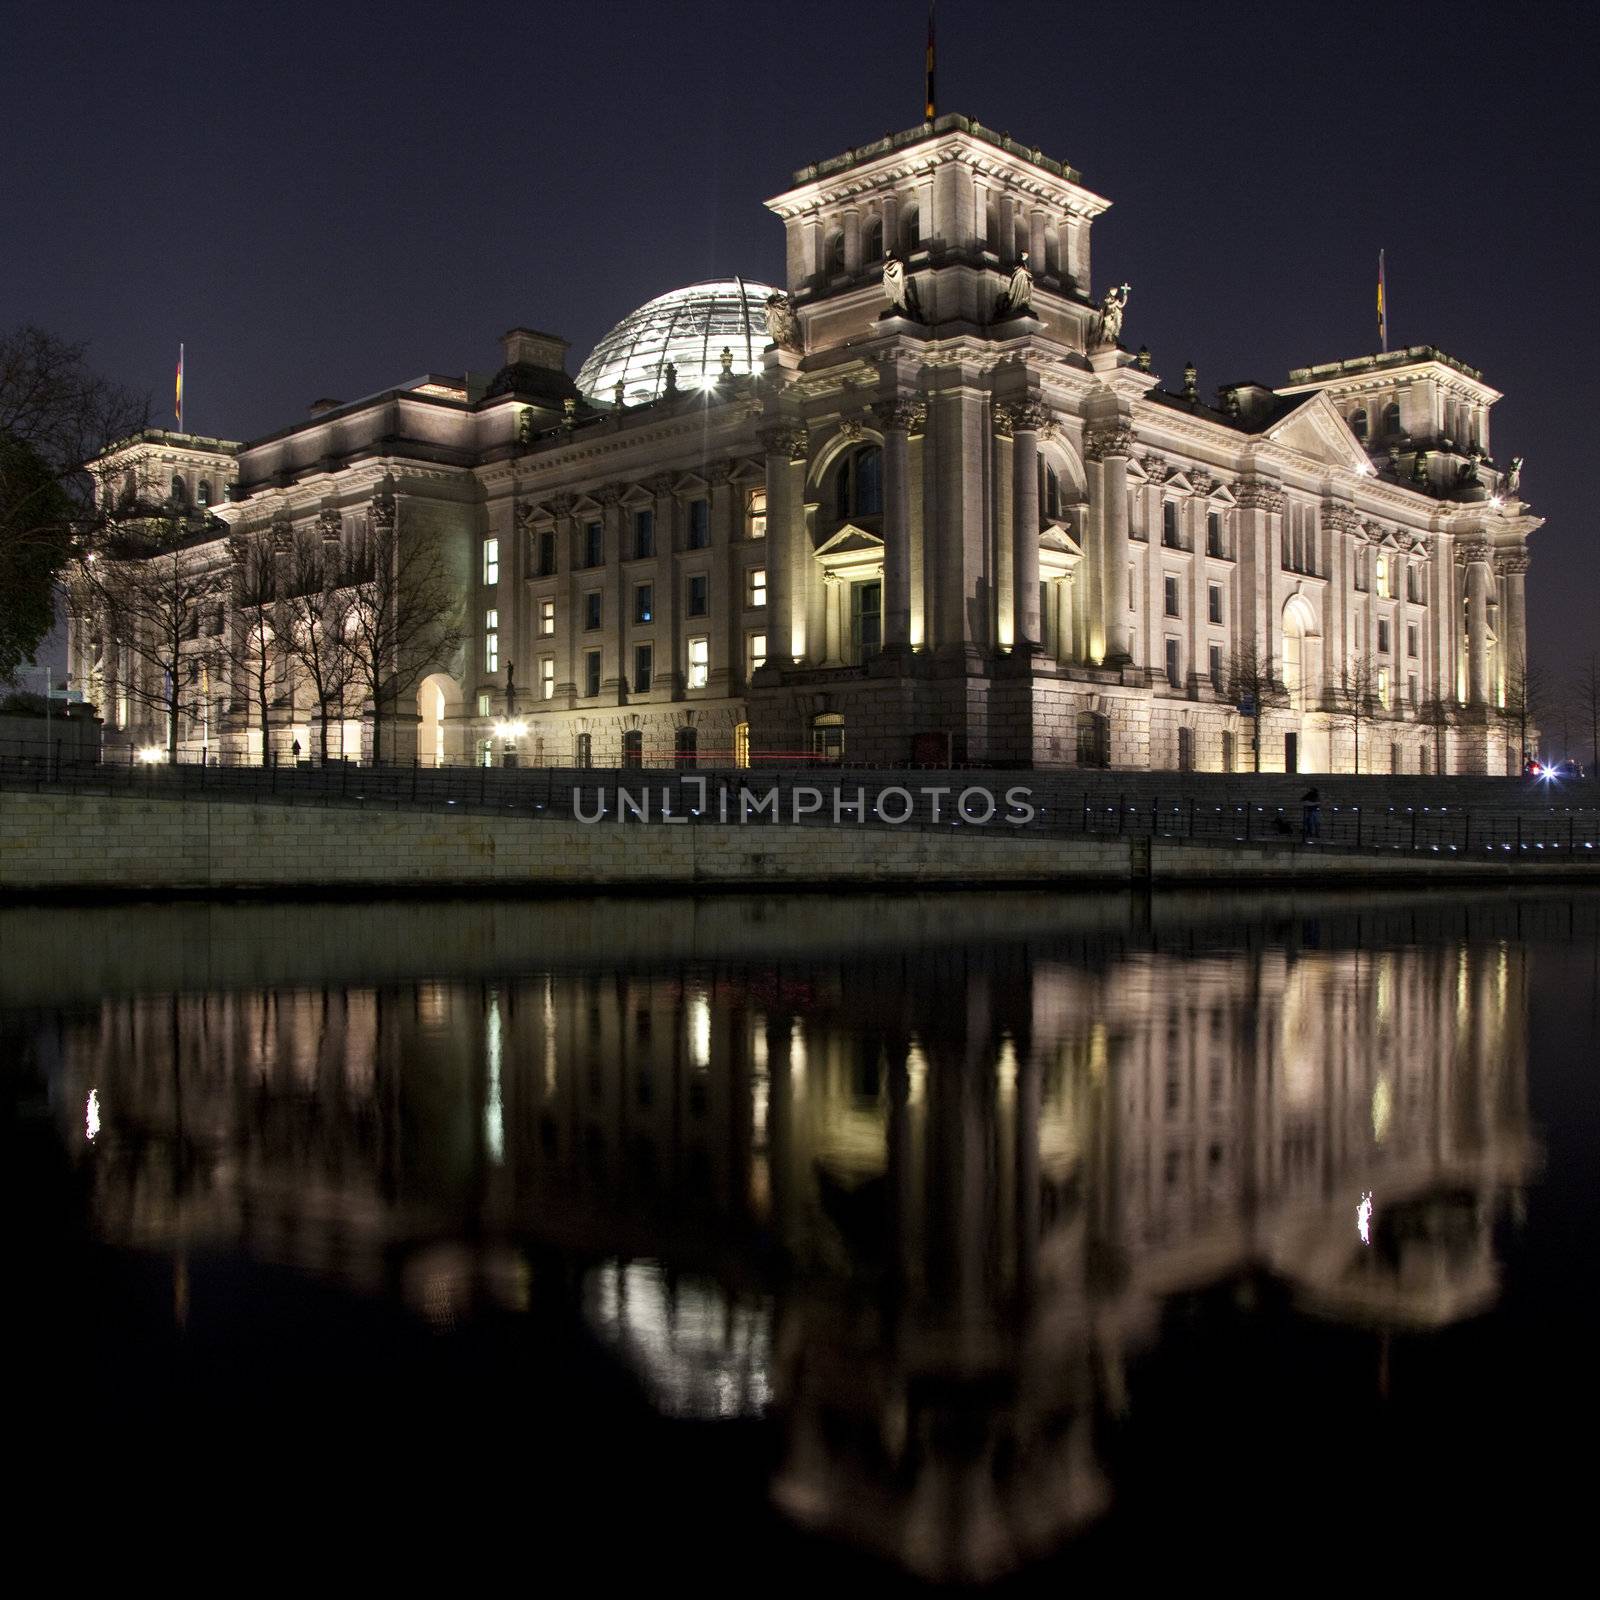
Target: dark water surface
<point x="761" y="1242"/>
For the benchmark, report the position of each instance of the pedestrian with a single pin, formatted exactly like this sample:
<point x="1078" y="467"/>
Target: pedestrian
<point x="1311" y="816"/>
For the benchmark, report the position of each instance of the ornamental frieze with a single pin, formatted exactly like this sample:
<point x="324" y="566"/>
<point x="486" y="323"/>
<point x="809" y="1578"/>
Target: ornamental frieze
<point x="1155" y="469"/>
<point x="786" y="439"/>
<point x="1512" y="561"/>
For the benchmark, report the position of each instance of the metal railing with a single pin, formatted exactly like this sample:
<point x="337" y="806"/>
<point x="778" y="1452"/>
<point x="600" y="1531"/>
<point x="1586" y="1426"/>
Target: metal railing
<point x="914" y="799"/>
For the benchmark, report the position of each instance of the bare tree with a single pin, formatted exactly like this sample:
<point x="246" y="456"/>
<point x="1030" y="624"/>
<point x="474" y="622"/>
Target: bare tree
<point x="1437" y="714"/>
<point x="1356" y="699"/>
<point x="252" y="639"/>
<point x="1527" y="693"/>
<point x="55" y="415"/>
<point x="157" y="595"/>
<point x="1252" y="683"/>
<point x="1586" y="693"/>
<point x="319" y="608"/>
<point x="405" y="615"/>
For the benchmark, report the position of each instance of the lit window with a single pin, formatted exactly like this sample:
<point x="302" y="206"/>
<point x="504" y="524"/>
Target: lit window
<point x="699" y="595"/>
<point x="758" y="514"/>
<point x="758" y="650"/>
<point x="758" y="588"/>
<point x="547" y="677"/>
<point x="483" y="705"/>
<point x="644" y="602"/>
<point x="491" y="562"/>
<point x="699" y="535"/>
<point x="491" y="641"/>
<point x="1383" y="686"/>
<point x="547" y="617"/>
<point x="699" y="661"/>
<point x="741" y="744"/>
<point x="1380" y="577"/>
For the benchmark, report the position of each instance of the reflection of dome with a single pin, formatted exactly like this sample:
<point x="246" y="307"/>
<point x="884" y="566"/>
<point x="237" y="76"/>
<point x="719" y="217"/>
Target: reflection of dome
<point x="688" y="327"/>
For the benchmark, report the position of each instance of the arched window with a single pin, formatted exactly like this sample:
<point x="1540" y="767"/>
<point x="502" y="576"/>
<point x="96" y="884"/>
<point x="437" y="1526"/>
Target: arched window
<point x="1391" y="419"/>
<point x="180" y="490"/>
<point x="633" y="748"/>
<point x="1358" y="425"/>
<point x="835" y="254"/>
<point x="202" y="493"/>
<point x="911" y="230"/>
<point x="858" y="484"/>
<point x="874" y="241"/>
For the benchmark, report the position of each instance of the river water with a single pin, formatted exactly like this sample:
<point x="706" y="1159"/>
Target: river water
<point x="770" y="1241"/>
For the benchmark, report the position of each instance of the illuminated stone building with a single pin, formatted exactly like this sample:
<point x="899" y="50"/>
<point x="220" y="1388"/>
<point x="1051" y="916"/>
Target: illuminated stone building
<point x="920" y="504"/>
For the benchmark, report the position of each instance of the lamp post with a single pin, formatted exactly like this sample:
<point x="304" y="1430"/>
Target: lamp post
<point x="511" y="728"/>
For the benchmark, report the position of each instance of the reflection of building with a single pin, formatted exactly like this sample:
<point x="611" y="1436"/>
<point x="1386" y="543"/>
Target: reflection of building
<point x="921" y="504"/>
<point x="921" y="1207"/>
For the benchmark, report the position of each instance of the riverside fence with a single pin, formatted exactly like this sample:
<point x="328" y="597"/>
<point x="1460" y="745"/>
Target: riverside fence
<point x="1529" y="824"/>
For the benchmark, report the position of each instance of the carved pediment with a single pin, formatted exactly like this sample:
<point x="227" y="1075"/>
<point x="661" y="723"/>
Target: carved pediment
<point x="851" y="541"/>
<point x="1316" y="429"/>
<point x="1058" y="536"/>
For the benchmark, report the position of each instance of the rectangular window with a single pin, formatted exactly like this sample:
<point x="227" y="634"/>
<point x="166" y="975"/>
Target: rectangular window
<point x="1383" y="687"/>
<point x="547" y="617"/>
<point x="756" y="650"/>
<point x="699" y="595"/>
<point x="1173" y="675"/>
<point x="757" y="514"/>
<point x="699" y="534"/>
<point x="547" y="553"/>
<point x="1213" y="533"/>
<point x="699" y="661"/>
<point x="1214" y="602"/>
<point x="1413" y="586"/>
<point x="491" y="641"/>
<point x="756" y="597"/>
<point x="591" y="608"/>
<point x="591" y="672"/>
<point x="1414" y="690"/>
<point x="491" y="563"/>
<point x="1133" y="586"/>
<point x="1411" y="640"/>
<point x="547" y="677"/>
<point x="483" y="705"/>
<point x="1383" y="636"/>
<point x="644" y="602"/>
<point x="644" y="533"/>
<point x="1169" y="523"/>
<point x="866" y="620"/>
<point x="1170" y="584"/>
<point x="1216" y="668"/>
<point x="1380" y="573"/>
<point x="594" y="544"/>
<point x="643" y="660"/>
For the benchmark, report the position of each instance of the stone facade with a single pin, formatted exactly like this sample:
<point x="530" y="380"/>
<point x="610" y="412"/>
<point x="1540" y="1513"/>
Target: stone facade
<point x="941" y="518"/>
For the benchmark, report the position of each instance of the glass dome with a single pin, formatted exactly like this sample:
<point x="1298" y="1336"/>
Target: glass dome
<point x="688" y="327"/>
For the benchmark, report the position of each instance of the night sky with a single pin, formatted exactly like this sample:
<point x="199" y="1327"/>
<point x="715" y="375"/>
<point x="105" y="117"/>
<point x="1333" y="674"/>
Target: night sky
<point x="324" y="199"/>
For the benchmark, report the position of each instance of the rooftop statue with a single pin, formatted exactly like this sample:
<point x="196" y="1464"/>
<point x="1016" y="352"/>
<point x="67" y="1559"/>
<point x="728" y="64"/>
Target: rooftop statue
<point x="1017" y="296"/>
<point x="1108" y="330"/>
<point x="1514" y="478"/>
<point x="900" y="289"/>
<point x="783" y="327"/>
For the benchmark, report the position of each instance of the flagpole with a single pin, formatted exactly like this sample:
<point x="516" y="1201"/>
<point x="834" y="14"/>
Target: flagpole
<point x="1383" y="306"/>
<point x="928" y="111"/>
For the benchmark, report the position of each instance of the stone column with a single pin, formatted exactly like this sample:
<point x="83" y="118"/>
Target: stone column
<point x="1036" y="245"/>
<point x="1003" y="573"/>
<point x="786" y="449"/>
<point x="852" y="241"/>
<point x="1260" y="532"/>
<point x="1479" y="576"/>
<point x="1026" y="421"/>
<point x="1513" y="565"/>
<point x="898" y="418"/>
<point x="833" y="600"/>
<point x="1110" y="444"/>
<point x="670" y="601"/>
<point x="614" y="607"/>
<point x="570" y="621"/>
<point x="727" y="603"/>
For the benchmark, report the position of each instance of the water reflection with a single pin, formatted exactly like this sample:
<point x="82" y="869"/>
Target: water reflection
<point x="918" y="1203"/>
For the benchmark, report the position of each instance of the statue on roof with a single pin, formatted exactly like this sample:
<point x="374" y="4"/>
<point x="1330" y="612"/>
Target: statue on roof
<point x="900" y="289"/>
<point x="1108" y="329"/>
<point x="1017" y="296"/>
<point x="783" y="326"/>
<point x="1514" y="478"/>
